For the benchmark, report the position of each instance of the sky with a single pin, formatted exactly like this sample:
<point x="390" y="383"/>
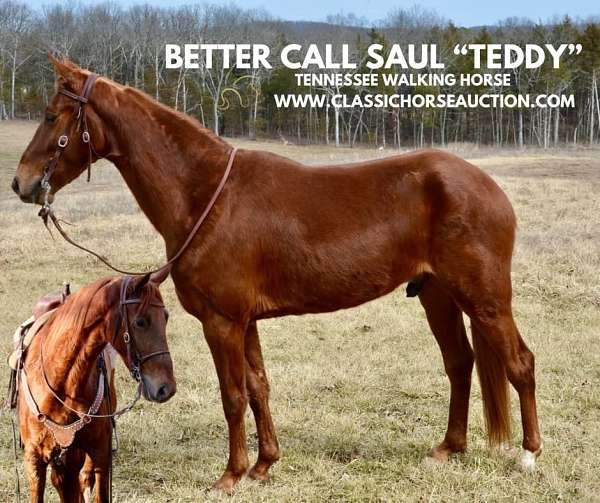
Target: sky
<point x="462" y="12"/>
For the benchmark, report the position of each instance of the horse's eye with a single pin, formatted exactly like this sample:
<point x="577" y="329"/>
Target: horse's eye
<point x="141" y="323"/>
<point x="50" y="118"/>
<point x="166" y="315"/>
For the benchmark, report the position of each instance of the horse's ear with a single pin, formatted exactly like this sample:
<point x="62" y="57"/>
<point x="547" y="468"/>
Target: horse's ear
<point x="159" y="276"/>
<point x="138" y="283"/>
<point x="68" y="73"/>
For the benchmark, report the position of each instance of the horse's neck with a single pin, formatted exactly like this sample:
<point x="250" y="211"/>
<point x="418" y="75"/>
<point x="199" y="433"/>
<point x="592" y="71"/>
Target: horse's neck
<point x="169" y="161"/>
<point x="70" y="364"/>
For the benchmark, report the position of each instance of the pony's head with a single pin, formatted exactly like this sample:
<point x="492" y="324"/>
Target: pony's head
<point x="140" y="336"/>
<point x="61" y="130"/>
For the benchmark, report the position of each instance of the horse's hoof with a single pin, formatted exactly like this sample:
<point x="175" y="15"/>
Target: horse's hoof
<point x="260" y="475"/>
<point x="226" y="483"/>
<point x="439" y="453"/>
<point x="527" y="461"/>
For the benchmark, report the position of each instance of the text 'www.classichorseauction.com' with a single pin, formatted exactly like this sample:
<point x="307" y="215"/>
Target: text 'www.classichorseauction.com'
<point x="329" y="76"/>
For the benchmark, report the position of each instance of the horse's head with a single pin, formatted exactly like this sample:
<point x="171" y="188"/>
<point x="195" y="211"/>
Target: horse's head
<point x="141" y="340"/>
<point x="60" y="130"/>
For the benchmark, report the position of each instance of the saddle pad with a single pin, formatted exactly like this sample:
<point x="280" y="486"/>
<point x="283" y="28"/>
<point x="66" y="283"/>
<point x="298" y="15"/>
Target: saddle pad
<point x="32" y="329"/>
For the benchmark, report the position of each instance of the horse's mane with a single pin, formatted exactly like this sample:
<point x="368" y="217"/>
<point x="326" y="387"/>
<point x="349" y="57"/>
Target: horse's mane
<point x="74" y="315"/>
<point x="83" y="308"/>
<point x="169" y="115"/>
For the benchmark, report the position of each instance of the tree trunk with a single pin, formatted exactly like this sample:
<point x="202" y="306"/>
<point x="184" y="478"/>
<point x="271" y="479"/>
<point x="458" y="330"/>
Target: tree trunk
<point x="327" y="122"/>
<point x="216" y="117"/>
<point x="520" y="128"/>
<point x="156" y="74"/>
<point x="592" y="115"/>
<point x="556" y="125"/>
<point x="184" y="95"/>
<point x="13" y="80"/>
<point x="336" y="111"/>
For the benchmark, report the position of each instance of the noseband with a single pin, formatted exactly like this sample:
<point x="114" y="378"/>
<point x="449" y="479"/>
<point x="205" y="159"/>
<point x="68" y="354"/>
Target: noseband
<point x="63" y="140"/>
<point x="134" y="359"/>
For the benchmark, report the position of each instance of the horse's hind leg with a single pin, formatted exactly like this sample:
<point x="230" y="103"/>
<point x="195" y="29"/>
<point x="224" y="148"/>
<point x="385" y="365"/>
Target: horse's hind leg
<point x="484" y="293"/>
<point x="258" y="392"/>
<point x="499" y="332"/>
<point x="445" y="320"/>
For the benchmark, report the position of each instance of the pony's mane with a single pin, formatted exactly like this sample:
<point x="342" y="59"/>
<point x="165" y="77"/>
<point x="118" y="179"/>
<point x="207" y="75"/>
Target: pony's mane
<point x="83" y="307"/>
<point x="72" y="316"/>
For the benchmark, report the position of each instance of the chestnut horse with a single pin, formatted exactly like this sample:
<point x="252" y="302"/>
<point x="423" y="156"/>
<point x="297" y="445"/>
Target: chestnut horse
<point x="284" y="239"/>
<point x="61" y="375"/>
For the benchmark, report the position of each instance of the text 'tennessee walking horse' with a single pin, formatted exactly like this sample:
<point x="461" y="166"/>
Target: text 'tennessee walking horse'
<point x="64" y="408"/>
<point x="285" y="239"/>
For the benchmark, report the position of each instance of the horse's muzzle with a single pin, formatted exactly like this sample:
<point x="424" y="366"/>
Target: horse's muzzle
<point x="28" y="194"/>
<point x="157" y="393"/>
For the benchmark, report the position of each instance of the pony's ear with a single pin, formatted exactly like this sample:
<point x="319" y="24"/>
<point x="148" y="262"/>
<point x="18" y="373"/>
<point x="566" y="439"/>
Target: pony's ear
<point x="68" y="74"/>
<point x="159" y="276"/>
<point x="138" y="283"/>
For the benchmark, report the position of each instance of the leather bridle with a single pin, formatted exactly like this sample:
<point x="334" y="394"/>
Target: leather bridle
<point x="47" y="213"/>
<point x="63" y="140"/>
<point x="134" y="359"/>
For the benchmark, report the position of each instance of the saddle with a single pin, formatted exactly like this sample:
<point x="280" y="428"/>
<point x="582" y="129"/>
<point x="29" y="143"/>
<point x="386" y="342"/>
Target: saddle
<point x="50" y="302"/>
<point x="25" y="333"/>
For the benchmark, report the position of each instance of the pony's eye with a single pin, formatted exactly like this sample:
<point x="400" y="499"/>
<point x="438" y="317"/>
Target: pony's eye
<point x="166" y="315"/>
<point x="141" y="323"/>
<point x="50" y="118"/>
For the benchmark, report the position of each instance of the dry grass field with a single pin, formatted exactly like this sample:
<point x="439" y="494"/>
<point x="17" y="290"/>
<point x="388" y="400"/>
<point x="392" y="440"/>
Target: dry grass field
<point x="358" y="396"/>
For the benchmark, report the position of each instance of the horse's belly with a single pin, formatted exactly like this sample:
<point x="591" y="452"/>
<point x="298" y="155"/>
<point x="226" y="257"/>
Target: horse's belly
<point x="342" y="282"/>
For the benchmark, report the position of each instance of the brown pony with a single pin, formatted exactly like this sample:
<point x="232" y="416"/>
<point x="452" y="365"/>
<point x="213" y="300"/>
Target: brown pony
<point x="285" y="239"/>
<point x="60" y="374"/>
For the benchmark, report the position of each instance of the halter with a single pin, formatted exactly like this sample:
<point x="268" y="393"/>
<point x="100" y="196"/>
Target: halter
<point x="65" y="434"/>
<point x="63" y="140"/>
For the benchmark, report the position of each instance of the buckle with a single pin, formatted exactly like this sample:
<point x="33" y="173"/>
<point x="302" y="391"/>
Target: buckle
<point x="85" y="136"/>
<point x="136" y="374"/>
<point x="63" y="140"/>
<point x="126" y="337"/>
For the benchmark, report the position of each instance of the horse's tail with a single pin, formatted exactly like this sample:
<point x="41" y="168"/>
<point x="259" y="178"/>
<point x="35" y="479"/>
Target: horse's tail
<point x="494" y="390"/>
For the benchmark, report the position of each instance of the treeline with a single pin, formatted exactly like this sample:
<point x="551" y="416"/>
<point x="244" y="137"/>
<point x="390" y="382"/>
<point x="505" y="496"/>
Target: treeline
<point x="128" y="45"/>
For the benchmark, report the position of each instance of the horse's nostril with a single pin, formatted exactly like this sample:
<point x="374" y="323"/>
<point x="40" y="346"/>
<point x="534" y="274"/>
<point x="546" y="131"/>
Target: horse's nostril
<point x="15" y="185"/>
<point x="163" y="393"/>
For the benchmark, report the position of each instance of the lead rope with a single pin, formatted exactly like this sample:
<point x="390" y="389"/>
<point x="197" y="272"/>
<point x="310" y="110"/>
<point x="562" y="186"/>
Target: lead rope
<point x="113" y="424"/>
<point x="16" y="460"/>
<point x="6" y="407"/>
<point x="47" y="213"/>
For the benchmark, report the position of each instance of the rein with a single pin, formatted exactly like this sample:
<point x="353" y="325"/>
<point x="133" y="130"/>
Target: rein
<point x="47" y="213"/>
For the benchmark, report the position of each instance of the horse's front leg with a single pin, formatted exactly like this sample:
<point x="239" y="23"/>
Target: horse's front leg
<point x="87" y="479"/>
<point x="36" y="475"/>
<point x="258" y="391"/>
<point x="226" y="341"/>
